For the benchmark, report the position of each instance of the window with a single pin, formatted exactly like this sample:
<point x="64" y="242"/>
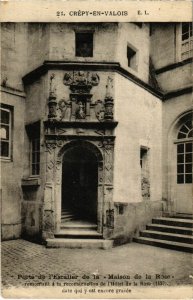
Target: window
<point x="33" y="131"/>
<point x="6" y="132"/>
<point x="143" y="157"/>
<point x="132" y="58"/>
<point x="84" y="44"/>
<point x="185" y="153"/>
<point x="35" y="156"/>
<point x="186" y="41"/>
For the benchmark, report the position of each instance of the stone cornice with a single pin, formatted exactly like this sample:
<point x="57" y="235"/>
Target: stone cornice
<point x="96" y="66"/>
<point x="103" y="66"/>
<point x="77" y="124"/>
<point x="12" y="91"/>
<point x="177" y="93"/>
<point x="173" y="66"/>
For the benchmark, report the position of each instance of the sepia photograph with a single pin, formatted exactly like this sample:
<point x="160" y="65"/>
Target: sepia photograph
<point x="96" y="157"/>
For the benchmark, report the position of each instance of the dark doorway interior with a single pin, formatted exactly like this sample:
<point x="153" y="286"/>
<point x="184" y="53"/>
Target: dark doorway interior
<point x="79" y="183"/>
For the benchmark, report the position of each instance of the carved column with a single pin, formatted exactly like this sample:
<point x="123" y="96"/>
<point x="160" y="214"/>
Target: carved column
<point x="108" y="188"/>
<point x="48" y="225"/>
<point x="109" y="102"/>
<point x="52" y="103"/>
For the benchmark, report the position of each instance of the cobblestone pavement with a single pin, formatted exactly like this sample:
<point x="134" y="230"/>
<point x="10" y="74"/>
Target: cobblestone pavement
<point x="22" y="258"/>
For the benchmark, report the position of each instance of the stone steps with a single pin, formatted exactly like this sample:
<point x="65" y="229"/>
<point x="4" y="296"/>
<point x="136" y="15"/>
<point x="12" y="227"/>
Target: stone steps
<point x="165" y="244"/>
<point x="183" y="216"/>
<point x="169" y="232"/>
<point x="77" y="225"/>
<point x="78" y="233"/>
<point x="173" y="222"/>
<point x="67" y="215"/>
<point x="79" y="243"/>
<point x="167" y="236"/>
<point x="171" y="229"/>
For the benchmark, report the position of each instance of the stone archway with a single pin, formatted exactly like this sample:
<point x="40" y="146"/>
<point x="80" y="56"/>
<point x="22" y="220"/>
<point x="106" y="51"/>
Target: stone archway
<point x="77" y="198"/>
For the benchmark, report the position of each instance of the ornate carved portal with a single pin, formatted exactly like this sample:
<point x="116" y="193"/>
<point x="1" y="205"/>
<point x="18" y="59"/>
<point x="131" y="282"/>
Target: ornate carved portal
<point x="77" y="122"/>
<point x="103" y="152"/>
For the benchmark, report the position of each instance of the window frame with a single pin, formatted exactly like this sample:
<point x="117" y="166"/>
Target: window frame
<point x="33" y="132"/>
<point x="8" y="109"/>
<point x="179" y="43"/>
<point x="183" y="162"/>
<point x="36" y="155"/>
<point x="136" y="56"/>
<point x="84" y="32"/>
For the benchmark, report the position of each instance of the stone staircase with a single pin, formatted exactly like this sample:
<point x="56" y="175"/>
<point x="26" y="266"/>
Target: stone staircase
<point x="67" y="215"/>
<point x="76" y="233"/>
<point x="169" y="232"/>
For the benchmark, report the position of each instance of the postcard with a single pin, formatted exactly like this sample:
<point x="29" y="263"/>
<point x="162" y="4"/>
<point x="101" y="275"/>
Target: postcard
<point x="96" y="149"/>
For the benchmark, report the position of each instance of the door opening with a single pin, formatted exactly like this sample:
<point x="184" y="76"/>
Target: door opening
<point x="80" y="184"/>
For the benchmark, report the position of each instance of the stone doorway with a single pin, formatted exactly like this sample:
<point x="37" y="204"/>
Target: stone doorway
<point x="79" y="185"/>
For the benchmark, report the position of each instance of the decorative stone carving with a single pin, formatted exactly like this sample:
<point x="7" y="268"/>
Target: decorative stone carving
<point x="80" y="111"/>
<point x="100" y="132"/>
<point x="99" y="110"/>
<point x="61" y="131"/>
<point x="52" y="103"/>
<point x="48" y="220"/>
<point x="108" y="152"/>
<point x="50" y="165"/>
<point x="50" y="147"/>
<point x="63" y="105"/>
<point x="109" y="102"/>
<point x="81" y="78"/>
<point x="110" y="218"/>
<point x="59" y="143"/>
<point x="145" y="188"/>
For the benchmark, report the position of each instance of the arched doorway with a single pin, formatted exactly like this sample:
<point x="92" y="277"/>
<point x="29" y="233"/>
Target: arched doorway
<point x="79" y="184"/>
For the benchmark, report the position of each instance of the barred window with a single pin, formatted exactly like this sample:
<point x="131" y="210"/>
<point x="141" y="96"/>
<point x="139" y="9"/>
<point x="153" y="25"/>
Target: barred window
<point x="5" y="132"/>
<point x="186" y="41"/>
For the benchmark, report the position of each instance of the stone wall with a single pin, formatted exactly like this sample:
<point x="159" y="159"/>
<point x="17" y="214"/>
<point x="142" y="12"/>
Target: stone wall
<point x="130" y="218"/>
<point x="13" y="54"/>
<point x="129" y="34"/>
<point x="163" y="44"/>
<point x="139" y="114"/>
<point x="165" y="52"/>
<point x="62" y="41"/>
<point x="176" y="79"/>
<point x="38" y="44"/>
<point x="12" y="169"/>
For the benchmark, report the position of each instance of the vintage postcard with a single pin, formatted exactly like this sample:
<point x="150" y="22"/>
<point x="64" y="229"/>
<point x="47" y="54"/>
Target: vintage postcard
<point x="96" y="149"/>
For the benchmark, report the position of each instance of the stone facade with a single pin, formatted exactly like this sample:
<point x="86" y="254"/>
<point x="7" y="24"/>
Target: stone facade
<point x="107" y="106"/>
